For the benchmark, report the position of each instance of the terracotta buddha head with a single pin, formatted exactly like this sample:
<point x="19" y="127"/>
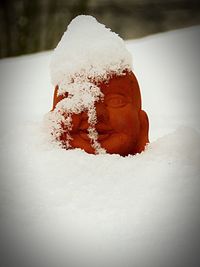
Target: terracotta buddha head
<point x="102" y="114"/>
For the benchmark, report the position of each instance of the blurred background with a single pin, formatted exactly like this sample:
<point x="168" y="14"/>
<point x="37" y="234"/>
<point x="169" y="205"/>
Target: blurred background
<point x="31" y="26"/>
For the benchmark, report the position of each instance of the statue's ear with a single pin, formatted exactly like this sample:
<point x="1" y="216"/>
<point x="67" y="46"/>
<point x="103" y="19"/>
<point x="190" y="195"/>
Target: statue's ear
<point x="143" y="138"/>
<point x="57" y="98"/>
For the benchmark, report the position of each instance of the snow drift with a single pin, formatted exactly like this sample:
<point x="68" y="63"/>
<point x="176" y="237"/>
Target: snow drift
<point x="69" y="208"/>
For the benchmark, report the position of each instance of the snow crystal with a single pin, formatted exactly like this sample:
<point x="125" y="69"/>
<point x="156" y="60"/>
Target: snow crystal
<point x="87" y="53"/>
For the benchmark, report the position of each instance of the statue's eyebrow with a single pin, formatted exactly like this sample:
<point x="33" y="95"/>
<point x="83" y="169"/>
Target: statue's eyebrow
<point x="115" y="93"/>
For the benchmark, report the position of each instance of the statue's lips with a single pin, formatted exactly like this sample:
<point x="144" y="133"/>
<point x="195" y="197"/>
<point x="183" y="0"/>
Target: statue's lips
<point x="102" y="134"/>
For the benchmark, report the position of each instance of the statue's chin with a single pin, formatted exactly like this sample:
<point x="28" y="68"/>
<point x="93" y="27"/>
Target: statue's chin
<point x="113" y="143"/>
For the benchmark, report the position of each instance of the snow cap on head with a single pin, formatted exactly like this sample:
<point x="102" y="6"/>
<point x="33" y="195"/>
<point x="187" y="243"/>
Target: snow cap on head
<point x="88" y="50"/>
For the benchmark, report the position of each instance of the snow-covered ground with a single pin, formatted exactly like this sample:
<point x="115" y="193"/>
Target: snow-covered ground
<point x="68" y="208"/>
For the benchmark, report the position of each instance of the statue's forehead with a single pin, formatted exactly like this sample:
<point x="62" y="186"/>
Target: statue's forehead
<point x="118" y="85"/>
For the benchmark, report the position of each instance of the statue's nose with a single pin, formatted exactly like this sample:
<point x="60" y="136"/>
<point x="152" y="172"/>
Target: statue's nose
<point x="102" y="112"/>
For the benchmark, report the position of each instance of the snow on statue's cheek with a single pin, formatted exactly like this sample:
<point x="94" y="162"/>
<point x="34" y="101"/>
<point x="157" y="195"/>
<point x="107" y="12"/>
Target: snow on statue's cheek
<point x="81" y="98"/>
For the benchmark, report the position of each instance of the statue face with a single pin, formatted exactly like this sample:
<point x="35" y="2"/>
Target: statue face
<point x="122" y="126"/>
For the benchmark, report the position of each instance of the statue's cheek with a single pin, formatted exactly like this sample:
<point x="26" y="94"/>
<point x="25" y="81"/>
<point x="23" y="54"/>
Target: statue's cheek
<point x="76" y="120"/>
<point x="124" y="119"/>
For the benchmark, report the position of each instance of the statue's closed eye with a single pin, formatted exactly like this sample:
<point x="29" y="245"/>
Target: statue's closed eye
<point x="116" y="101"/>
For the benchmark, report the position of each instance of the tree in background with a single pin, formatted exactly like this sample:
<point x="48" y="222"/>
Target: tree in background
<point x="32" y="26"/>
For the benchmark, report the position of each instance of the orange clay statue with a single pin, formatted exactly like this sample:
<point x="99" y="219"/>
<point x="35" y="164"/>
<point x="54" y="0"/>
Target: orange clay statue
<point x="97" y="102"/>
<point x="122" y="125"/>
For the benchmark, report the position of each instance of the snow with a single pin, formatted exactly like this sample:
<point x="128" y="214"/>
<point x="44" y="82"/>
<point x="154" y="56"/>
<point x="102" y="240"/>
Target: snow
<point x="69" y="208"/>
<point x="87" y="50"/>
